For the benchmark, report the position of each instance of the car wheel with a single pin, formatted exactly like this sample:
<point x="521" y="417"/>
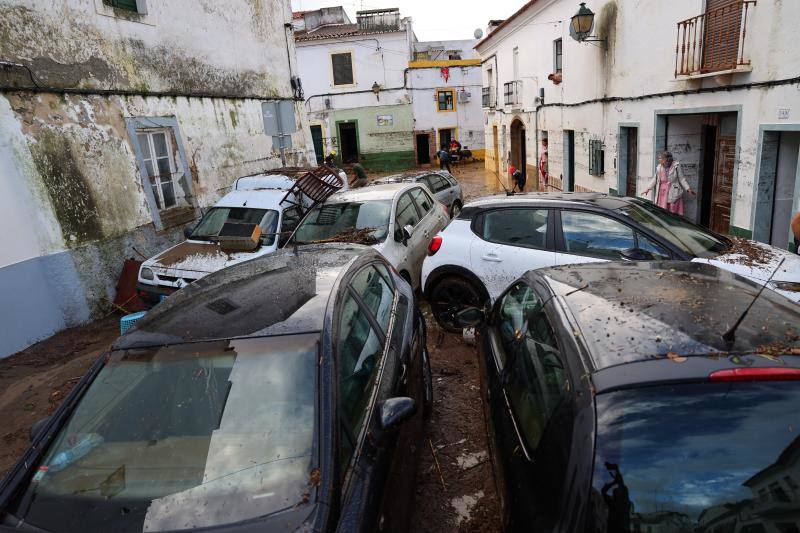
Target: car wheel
<point x="427" y="378"/>
<point x="451" y="295"/>
<point x="455" y="209"/>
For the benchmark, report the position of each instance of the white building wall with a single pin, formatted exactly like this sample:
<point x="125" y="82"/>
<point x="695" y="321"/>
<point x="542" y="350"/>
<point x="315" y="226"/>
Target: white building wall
<point x="633" y="81"/>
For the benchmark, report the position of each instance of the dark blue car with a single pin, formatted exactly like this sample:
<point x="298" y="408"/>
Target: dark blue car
<point x="280" y="394"/>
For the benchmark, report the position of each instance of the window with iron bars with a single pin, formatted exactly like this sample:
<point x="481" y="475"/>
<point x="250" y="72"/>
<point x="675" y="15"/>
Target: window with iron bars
<point x="127" y="5"/>
<point x="596" y="157"/>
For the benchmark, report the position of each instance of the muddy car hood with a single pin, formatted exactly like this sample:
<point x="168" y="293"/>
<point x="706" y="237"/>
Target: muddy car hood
<point x="197" y="256"/>
<point x="758" y="261"/>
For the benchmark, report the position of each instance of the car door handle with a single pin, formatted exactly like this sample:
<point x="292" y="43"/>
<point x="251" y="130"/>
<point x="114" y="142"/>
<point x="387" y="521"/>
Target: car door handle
<point x="491" y="257"/>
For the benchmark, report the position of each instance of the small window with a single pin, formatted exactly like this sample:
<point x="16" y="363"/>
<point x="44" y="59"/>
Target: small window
<point x="557" y="52"/>
<point x="454" y="55"/>
<point x="406" y="212"/>
<point x="521" y="227"/>
<point x="422" y="56"/>
<point x="376" y="293"/>
<point x="423" y="200"/>
<point x="359" y="350"/>
<point x="127" y="5"/>
<point x="595" y="235"/>
<point x="537" y="378"/>
<point x="342" y="65"/>
<point x="159" y="165"/>
<point x="444" y="99"/>
<point x="597" y="157"/>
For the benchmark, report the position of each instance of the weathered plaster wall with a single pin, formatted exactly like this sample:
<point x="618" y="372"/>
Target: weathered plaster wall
<point x="71" y="193"/>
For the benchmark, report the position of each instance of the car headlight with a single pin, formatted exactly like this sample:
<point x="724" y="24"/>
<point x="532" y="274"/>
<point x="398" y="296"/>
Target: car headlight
<point x="790" y="286"/>
<point x="147" y="274"/>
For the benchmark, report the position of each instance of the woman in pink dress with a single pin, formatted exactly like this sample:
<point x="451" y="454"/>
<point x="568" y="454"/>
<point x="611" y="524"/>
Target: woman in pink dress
<point x="669" y="184"/>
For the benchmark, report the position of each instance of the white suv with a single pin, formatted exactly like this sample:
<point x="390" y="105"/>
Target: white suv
<point x="496" y="239"/>
<point x="397" y="219"/>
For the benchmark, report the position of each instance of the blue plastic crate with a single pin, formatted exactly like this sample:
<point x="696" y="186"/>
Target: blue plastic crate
<point x="127" y="322"/>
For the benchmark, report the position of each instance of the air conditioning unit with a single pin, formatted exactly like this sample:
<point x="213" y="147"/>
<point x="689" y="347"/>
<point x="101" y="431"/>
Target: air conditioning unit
<point x="464" y="96"/>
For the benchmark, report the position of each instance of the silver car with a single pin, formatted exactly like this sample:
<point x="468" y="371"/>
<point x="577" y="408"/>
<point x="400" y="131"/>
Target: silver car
<point x="441" y="183"/>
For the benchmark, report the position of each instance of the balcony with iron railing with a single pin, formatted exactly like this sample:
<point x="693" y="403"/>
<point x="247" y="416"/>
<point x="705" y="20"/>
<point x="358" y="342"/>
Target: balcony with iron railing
<point x="713" y="43"/>
<point x="488" y="97"/>
<point x="512" y="93"/>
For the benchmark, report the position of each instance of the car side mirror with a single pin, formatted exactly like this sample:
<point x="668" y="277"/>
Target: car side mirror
<point x="37" y="427"/>
<point x="408" y="231"/>
<point x="470" y="317"/>
<point x="187" y="231"/>
<point x="395" y="411"/>
<point x="636" y="254"/>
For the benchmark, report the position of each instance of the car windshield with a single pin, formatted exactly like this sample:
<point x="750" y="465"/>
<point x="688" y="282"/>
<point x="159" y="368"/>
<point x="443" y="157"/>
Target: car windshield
<point x="686" y="236"/>
<point x="366" y="222"/>
<point x="211" y="224"/>
<point x="181" y="437"/>
<point x="710" y="457"/>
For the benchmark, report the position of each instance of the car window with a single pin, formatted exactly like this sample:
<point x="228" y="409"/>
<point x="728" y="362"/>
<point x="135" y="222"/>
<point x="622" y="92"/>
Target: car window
<point x="429" y="181"/>
<point x="206" y="426"/>
<point x="595" y="235"/>
<point x="359" y="349"/>
<point x="516" y="227"/>
<point x="210" y="225"/>
<point x="439" y="183"/>
<point x="376" y="294"/>
<point x="406" y="211"/>
<point x="423" y="200"/>
<point x="291" y="217"/>
<point x="657" y="250"/>
<point x="704" y="457"/>
<point x="340" y="221"/>
<point x="451" y="179"/>
<point x="537" y="378"/>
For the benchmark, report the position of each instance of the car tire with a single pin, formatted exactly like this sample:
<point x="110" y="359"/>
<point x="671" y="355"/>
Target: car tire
<point x="455" y="209"/>
<point x="450" y="295"/>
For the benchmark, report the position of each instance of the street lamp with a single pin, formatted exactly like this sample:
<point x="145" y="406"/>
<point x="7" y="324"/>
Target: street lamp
<point x="581" y="24"/>
<point x="377" y="90"/>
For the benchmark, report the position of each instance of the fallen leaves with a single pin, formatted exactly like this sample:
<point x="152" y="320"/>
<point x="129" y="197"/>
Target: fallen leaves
<point x="675" y="358"/>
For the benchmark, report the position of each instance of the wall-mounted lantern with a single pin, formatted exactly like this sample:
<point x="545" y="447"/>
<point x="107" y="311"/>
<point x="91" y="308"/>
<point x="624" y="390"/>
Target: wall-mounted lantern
<point x="581" y="25"/>
<point x="377" y="90"/>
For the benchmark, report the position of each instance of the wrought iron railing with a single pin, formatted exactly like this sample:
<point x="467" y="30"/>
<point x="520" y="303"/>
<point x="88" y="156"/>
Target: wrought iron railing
<point x="512" y="92"/>
<point x="713" y="41"/>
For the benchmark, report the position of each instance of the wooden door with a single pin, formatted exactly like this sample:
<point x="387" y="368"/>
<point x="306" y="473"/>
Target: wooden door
<point x="632" y="162"/>
<point x="723" y="19"/>
<point x="722" y="191"/>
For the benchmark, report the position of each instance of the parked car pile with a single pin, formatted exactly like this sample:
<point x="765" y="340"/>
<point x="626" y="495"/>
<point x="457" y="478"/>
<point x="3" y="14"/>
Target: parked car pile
<point x="639" y="372"/>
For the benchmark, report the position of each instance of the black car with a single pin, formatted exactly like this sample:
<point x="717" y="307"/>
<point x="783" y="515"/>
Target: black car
<point x="279" y="394"/>
<point x="621" y="397"/>
<point x="445" y="188"/>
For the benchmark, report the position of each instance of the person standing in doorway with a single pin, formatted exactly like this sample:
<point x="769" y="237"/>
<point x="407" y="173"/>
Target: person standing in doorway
<point x="543" y="175"/>
<point x="444" y="159"/>
<point x="669" y="184"/>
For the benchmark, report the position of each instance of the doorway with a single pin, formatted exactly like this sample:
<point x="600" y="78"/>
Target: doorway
<point x="496" y="149"/>
<point x="518" y="159"/>
<point x="316" y="137"/>
<point x="785" y="178"/>
<point x="445" y="136"/>
<point x="778" y="187"/>
<point x="709" y="135"/>
<point x="423" y="149"/>
<point x="348" y="142"/>
<point x="569" y="160"/>
<point x="721" y="196"/>
<point x="628" y="160"/>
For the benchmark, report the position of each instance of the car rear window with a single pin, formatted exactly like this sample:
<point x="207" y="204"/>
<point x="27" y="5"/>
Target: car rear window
<point x="705" y="457"/>
<point x="180" y="437"/>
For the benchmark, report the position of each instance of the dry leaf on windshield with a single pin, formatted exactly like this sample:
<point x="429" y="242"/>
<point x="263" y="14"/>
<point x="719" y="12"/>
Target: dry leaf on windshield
<point x="675" y="357"/>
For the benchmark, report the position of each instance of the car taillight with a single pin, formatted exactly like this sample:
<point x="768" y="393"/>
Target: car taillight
<point x="435" y="244"/>
<point x="755" y="374"/>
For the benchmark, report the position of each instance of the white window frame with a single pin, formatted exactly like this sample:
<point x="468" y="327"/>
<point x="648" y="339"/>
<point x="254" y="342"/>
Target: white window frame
<point x="158" y="187"/>
<point x="556" y="67"/>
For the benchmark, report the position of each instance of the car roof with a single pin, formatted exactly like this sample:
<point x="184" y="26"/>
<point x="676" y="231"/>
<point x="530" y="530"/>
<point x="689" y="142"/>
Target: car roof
<point x="628" y="312"/>
<point x="257" y="199"/>
<point x="554" y="199"/>
<point x="280" y="293"/>
<point x="383" y="191"/>
<point x="407" y="176"/>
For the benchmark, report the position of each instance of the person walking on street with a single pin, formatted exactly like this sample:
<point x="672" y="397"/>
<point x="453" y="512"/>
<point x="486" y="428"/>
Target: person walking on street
<point x="444" y="159"/>
<point x="543" y="175"/>
<point x="670" y="186"/>
<point x="360" y="177"/>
